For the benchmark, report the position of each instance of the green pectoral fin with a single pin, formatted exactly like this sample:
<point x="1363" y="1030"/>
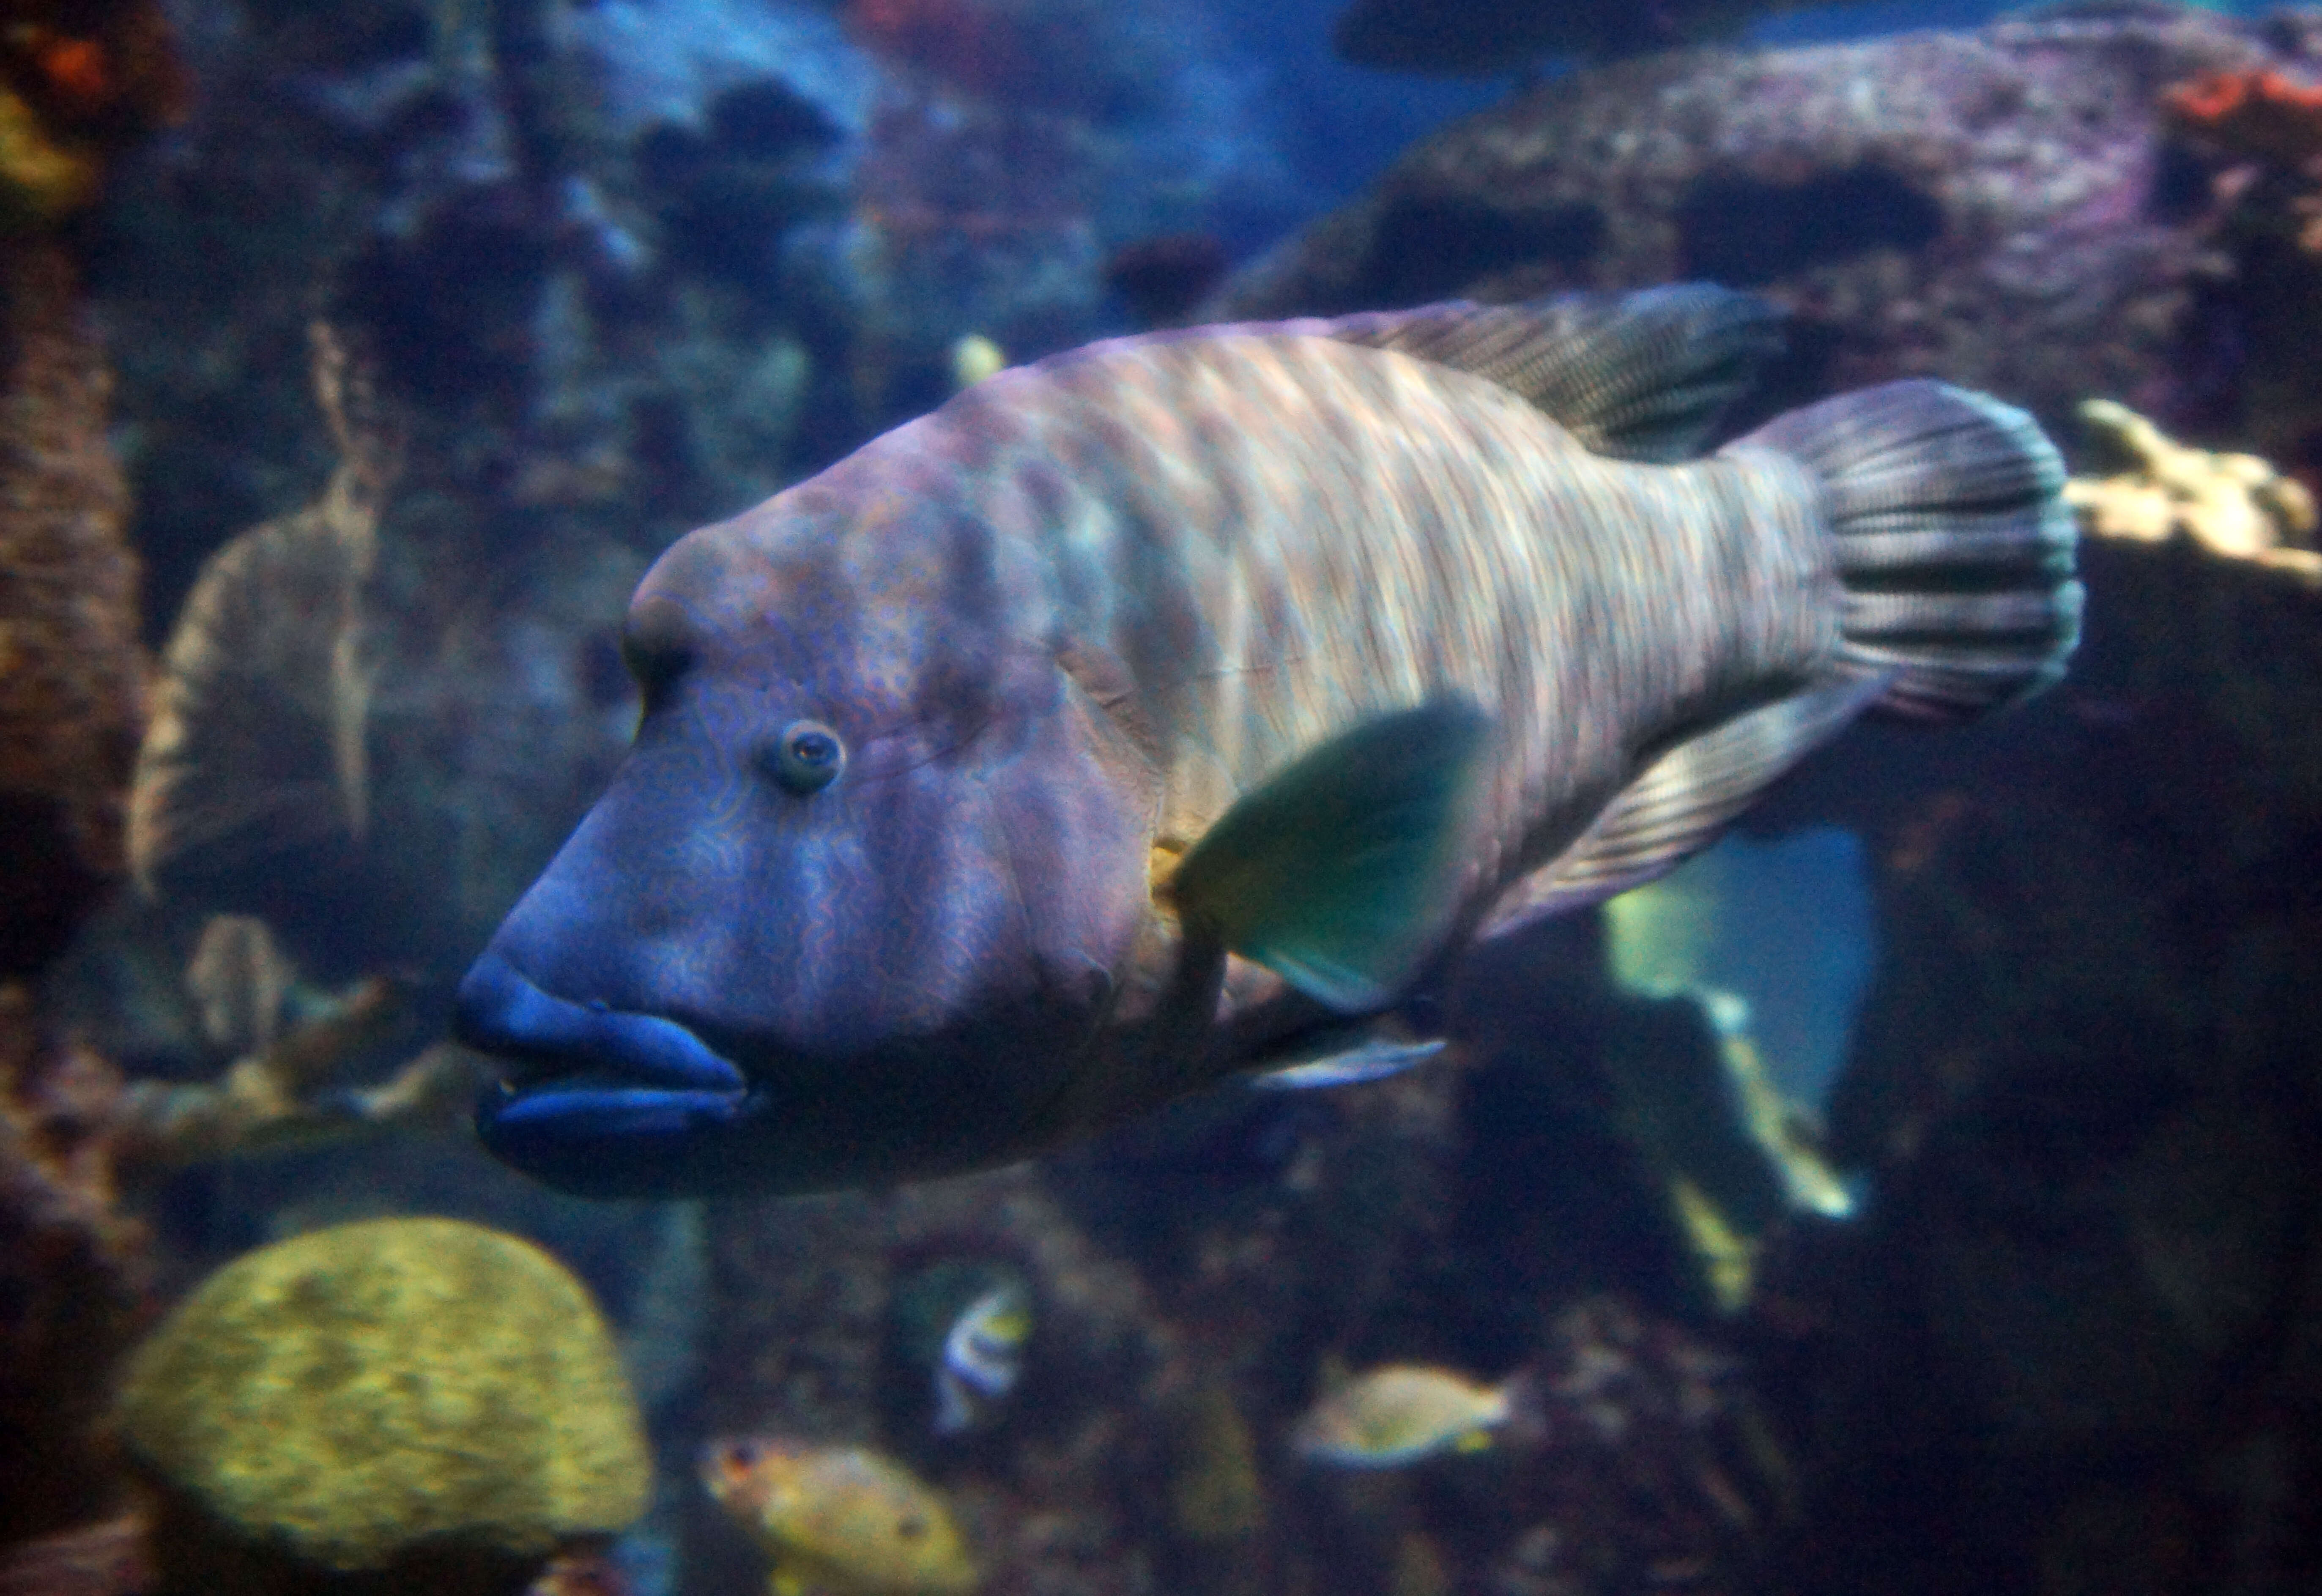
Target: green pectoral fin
<point x="1341" y="872"/>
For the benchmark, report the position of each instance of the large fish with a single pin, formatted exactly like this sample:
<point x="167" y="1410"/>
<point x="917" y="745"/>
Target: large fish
<point x="1169" y="708"/>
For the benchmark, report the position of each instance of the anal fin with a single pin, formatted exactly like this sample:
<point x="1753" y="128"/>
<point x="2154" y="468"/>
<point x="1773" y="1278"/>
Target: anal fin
<point x="1347" y="1055"/>
<point x="1679" y="803"/>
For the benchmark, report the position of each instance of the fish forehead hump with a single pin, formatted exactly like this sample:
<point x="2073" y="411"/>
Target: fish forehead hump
<point x="855" y="587"/>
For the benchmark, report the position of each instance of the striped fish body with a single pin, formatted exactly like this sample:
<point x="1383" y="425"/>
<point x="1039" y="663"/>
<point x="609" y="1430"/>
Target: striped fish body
<point x="1112" y="658"/>
<point x="1279" y="535"/>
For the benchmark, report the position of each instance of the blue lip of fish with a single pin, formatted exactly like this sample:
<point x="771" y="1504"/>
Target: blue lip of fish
<point x="1167" y="710"/>
<point x="672" y="1090"/>
<point x="506" y="1013"/>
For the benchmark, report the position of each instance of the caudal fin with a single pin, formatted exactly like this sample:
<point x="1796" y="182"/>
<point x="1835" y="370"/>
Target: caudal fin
<point x="1954" y="546"/>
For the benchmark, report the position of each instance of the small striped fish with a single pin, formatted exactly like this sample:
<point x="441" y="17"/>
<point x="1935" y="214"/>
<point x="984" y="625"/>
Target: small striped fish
<point x="1165" y="710"/>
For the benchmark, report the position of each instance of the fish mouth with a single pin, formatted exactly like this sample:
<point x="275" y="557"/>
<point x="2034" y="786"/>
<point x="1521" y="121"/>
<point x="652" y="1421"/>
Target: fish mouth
<point x="598" y="1102"/>
<point x="548" y="1041"/>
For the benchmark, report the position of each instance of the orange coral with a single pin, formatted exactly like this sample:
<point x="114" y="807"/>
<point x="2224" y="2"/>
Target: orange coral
<point x="76" y="72"/>
<point x="2259" y="114"/>
<point x="115" y="73"/>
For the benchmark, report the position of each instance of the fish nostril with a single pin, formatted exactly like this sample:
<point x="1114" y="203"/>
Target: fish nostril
<point x="808" y="757"/>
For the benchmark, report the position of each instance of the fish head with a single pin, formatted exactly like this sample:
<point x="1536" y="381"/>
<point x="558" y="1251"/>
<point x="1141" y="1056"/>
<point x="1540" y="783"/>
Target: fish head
<point x="744" y="1474"/>
<point x="855" y="905"/>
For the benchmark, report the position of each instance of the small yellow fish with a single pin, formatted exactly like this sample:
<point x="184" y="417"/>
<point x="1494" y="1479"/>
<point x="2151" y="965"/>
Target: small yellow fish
<point x="1400" y="1414"/>
<point x="842" y="1520"/>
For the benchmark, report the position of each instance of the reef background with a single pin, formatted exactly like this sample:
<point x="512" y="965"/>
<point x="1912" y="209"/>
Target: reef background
<point x="470" y="309"/>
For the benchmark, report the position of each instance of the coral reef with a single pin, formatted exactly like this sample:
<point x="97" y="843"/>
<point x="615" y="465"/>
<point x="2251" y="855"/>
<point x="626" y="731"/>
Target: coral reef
<point x="258" y="744"/>
<point x="285" y="1095"/>
<point x="805" y="1341"/>
<point x="2255" y="112"/>
<point x="2069" y="1342"/>
<point x="2253" y="136"/>
<point x="420" y="1397"/>
<point x="73" y="1272"/>
<point x="1641" y="1462"/>
<point x="2232" y="505"/>
<point x="71" y="694"/>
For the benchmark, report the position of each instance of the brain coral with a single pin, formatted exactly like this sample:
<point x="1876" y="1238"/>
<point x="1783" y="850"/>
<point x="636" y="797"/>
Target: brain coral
<point x="357" y="1394"/>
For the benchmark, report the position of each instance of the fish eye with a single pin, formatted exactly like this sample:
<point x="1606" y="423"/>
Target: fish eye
<point x="808" y="757"/>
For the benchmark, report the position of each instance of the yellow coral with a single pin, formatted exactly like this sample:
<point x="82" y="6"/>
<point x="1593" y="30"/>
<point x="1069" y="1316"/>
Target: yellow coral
<point x="2233" y="505"/>
<point x="43" y="179"/>
<point x="1215" y="1492"/>
<point x="359" y="1393"/>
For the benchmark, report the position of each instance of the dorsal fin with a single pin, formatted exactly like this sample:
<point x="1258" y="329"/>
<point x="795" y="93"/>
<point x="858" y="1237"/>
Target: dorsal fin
<point x="1637" y="376"/>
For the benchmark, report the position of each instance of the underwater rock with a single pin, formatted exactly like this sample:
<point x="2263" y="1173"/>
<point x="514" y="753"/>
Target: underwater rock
<point x="1991" y="206"/>
<point x="72" y="690"/>
<point x="106" y="1559"/>
<point x="1075" y="56"/>
<point x="74" y="1277"/>
<point x="1161" y="278"/>
<point x="2083" y="1090"/>
<point x="1647" y="1464"/>
<point x="1487" y="38"/>
<point x="420" y="1398"/>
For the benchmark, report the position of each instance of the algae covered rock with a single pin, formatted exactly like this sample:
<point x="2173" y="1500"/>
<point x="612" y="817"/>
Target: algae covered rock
<point x="360" y="1394"/>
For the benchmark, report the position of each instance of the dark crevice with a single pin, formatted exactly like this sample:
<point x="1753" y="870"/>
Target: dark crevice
<point x="1433" y="246"/>
<point x="1745" y="231"/>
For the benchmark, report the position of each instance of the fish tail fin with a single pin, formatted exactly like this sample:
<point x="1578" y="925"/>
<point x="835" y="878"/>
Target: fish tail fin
<point x="1526" y="1426"/>
<point x="1954" y="546"/>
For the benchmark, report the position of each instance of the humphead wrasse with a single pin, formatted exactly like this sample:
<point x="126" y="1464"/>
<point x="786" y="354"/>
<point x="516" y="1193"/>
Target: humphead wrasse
<point x="1168" y="708"/>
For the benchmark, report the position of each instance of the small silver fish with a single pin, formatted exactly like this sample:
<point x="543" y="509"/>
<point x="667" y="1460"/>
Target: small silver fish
<point x="1400" y="1414"/>
<point x="1151" y="711"/>
<point x="983" y="1358"/>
